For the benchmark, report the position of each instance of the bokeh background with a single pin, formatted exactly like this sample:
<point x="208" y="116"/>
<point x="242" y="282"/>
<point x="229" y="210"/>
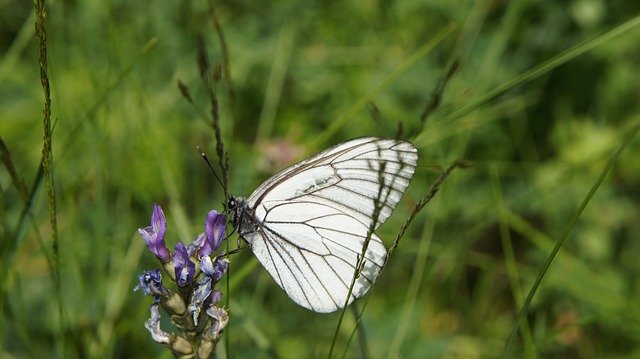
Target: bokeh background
<point x="543" y="95"/>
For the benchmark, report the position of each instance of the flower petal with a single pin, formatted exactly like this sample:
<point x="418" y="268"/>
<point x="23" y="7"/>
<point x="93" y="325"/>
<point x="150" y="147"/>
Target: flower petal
<point x="151" y="283"/>
<point x="158" y="221"/>
<point x="184" y="267"/>
<point x="153" y="326"/>
<point x="199" y="296"/>
<point x="216" y="295"/>
<point x="219" y="320"/>
<point x="215" y="227"/>
<point x="153" y="235"/>
<point x="219" y="269"/>
<point x="216" y="269"/>
<point x="198" y="245"/>
<point x="206" y="265"/>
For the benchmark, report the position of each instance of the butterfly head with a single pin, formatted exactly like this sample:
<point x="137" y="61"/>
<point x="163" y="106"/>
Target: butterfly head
<point x="236" y="207"/>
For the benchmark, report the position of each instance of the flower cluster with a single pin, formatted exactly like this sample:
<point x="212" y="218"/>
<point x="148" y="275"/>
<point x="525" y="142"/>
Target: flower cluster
<point x="193" y="304"/>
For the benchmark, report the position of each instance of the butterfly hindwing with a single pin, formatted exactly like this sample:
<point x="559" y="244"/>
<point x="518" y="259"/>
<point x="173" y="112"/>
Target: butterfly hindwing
<point x="312" y="258"/>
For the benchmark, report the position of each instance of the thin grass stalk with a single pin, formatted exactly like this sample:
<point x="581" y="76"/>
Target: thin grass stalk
<point x="435" y="186"/>
<point x="362" y="335"/>
<point x="419" y="206"/>
<point x="377" y="208"/>
<point x="47" y="156"/>
<point x="435" y="99"/>
<point x="223" y="156"/>
<point x="545" y="67"/>
<point x="527" y="302"/>
<point x="357" y="316"/>
<point x="71" y="137"/>
<point x="11" y="247"/>
<point x="413" y="289"/>
<point x="510" y="261"/>
<point x="226" y="63"/>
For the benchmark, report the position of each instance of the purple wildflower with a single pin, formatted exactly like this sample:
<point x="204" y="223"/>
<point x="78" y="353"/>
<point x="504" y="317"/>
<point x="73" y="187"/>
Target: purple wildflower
<point x="200" y="295"/>
<point x="216" y="295"/>
<point x="151" y="283"/>
<point x="197" y="245"/>
<point x="219" y="320"/>
<point x="199" y="292"/>
<point x="206" y="265"/>
<point x="153" y="235"/>
<point x="153" y="326"/>
<point x="204" y="289"/>
<point x="215" y="227"/>
<point x="214" y="269"/>
<point x="185" y="268"/>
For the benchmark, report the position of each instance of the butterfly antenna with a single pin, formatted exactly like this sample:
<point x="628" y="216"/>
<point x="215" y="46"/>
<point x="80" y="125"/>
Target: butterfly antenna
<point x="206" y="159"/>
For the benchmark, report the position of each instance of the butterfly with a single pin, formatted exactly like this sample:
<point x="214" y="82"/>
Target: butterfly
<point x="308" y="225"/>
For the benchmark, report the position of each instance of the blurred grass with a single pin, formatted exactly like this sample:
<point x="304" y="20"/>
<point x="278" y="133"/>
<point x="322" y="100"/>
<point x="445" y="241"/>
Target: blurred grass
<point x="545" y="93"/>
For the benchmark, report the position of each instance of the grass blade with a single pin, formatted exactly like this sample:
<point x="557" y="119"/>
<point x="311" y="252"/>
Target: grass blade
<point x="47" y="157"/>
<point x="563" y="237"/>
<point x="546" y="66"/>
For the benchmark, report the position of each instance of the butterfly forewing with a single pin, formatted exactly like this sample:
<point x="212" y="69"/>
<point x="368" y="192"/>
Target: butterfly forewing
<point x="309" y="223"/>
<point x="348" y="177"/>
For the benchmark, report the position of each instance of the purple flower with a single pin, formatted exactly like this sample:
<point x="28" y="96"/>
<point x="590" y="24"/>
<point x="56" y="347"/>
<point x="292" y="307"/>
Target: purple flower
<point x="199" y="296"/>
<point x="185" y="268"/>
<point x="216" y="269"/>
<point x="204" y="288"/>
<point x="219" y="269"/>
<point x="196" y="246"/>
<point x="216" y="295"/>
<point x="151" y="283"/>
<point x="154" y="234"/>
<point x="153" y="326"/>
<point x="215" y="227"/>
<point x="206" y="265"/>
<point x="219" y="320"/>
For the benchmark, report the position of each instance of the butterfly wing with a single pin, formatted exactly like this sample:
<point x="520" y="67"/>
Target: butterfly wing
<point x="348" y="177"/>
<point x="311" y="250"/>
<point x="314" y="218"/>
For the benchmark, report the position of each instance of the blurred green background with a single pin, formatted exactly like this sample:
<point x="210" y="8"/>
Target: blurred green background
<point x="303" y="74"/>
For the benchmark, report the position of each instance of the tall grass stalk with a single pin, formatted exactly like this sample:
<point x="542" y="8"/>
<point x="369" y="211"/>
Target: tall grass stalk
<point x="47" y="162"/>
<point x="510" y="261"/>
<point x="545" y="67"/>
<point x="527" y="302"/>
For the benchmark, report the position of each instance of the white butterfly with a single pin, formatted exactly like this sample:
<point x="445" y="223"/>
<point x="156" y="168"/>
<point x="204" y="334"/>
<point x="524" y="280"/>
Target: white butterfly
<point x="308" y="224"/>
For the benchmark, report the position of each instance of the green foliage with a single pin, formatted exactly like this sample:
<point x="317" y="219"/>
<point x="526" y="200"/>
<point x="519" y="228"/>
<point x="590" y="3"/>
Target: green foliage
<point x="544" y="94"/>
